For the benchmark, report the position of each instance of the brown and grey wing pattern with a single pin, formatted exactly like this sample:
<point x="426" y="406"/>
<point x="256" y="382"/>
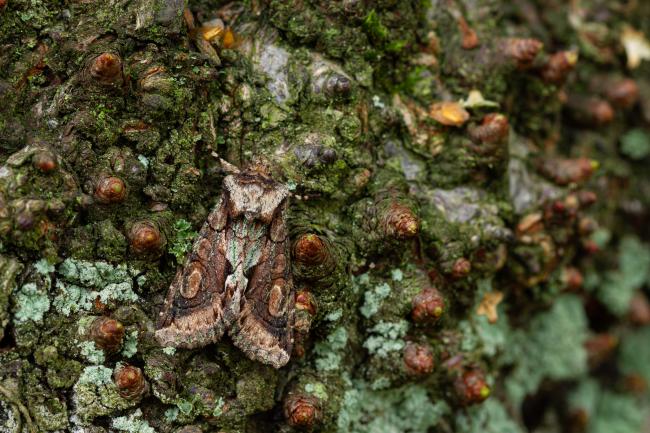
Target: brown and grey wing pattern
<point x="193" y="312"/>
<point x="263" y="329"/>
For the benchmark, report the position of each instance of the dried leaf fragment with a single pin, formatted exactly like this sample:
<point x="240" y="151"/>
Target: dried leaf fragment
<point x="489" y="304"/>
<point x="636" y="46"/>
<point x="449" y="113"/>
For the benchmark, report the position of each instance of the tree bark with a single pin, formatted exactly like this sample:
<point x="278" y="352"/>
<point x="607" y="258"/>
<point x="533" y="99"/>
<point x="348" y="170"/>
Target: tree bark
<point x="466" y="217"/>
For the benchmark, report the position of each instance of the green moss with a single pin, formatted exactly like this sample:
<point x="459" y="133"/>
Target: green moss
<point x="95" y="395"/>
<point x="182" y="240"/>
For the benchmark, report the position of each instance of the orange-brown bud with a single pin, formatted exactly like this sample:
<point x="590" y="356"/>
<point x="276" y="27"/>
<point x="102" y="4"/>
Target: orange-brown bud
<point x="590" y="110"/>
<point x="302" y="410"/>
<point x="471" y="387"/>
<point x="494" y="128"/>
<point x="310" y="249"/>
<point x="572" y="278"/>
<point x="145" y="237"/>
<point x="418" y="359"/>
<point x="400" y="222"/>
<point x="639" y="312"/>
<point x="461" y="268"/>
<point x="623" y="93"/>
<point x="110" y="189"/>
<point x="305" y="301"/>
<point x="564" y="171"/>
<point x="600" y="347"/>
<point x="3" y="4"/>
<point x="107" y="333"/>
<point x="559" y="66"/>
<point x="521" y="51"/>
<point x="427" y="306"/>
<point x="587" y="226"/>
<point x="130" y="382"/>
<point x="44" y="161"/>
<point x="587" y="198"/>
<point x="106" y="69"/>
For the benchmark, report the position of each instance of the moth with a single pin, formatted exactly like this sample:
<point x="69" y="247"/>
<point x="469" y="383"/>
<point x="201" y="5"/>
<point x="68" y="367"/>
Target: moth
<point x="237" y="278"/>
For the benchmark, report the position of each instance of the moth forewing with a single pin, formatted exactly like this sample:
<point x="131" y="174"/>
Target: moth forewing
<point x="237" y="276"/>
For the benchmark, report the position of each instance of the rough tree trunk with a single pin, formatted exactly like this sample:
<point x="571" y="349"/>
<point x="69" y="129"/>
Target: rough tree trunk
<point x="467" y="216"/>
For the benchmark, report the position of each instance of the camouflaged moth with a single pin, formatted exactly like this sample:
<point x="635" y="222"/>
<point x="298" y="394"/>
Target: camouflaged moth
<point x="237" y="278"/>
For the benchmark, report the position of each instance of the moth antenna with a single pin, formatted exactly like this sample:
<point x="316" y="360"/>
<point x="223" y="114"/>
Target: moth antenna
<point x="228" y="167"/>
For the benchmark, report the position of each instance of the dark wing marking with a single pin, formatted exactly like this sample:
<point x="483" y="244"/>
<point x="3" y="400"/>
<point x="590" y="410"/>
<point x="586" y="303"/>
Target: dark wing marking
<point x="193" y="310"/>
<point x="263" y="329"/>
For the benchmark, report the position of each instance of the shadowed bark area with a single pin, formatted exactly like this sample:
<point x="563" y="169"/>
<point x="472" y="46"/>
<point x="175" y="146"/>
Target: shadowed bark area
<point x="467" y="215"/>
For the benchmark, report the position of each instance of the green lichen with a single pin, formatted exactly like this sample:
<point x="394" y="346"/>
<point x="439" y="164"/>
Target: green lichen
<point x="92" y="353"/>
<point x="317" y="389"/>
<point x="329" y="353"/>
<point x="82" y="282"/>
<point x="386" y="337"/>
<point x="373" y="299"/>
<point x="130" y="345"/>
<point x="489" y="417"/>
<point x="616" y="288"/>
<point x="617" y="413"/>
<point x="552" y="347"/>
<point x="634" y="354"/>
<point x="406" y="410"/>
<point x="31" y="304"/>
<point x="95" y="395"/>
<point x="132" y="423"/>
<point x="636" y="144"/>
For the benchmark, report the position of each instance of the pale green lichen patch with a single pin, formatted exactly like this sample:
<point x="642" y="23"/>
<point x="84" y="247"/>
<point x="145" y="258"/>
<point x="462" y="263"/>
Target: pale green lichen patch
<point x="616" y="288"/>
<point x="44" y="267"/>
<point x="406" y="409"/>
<point x="132" y="423"/>
<point x="218" y="408"/>
<point x="329" y="352"/>
<point x="634" y="354"/>
<point x="386" y="337"/>
<point x="373" y="299"/>
<point x="31" y="304"/>
<point x="551" y="348"/>
<point x="130" y="346"/>
<point x="317" y="389"/>
<point x="95" y="395"/>
<point x="489" y="417"/>
<point x="91" y="352"/>
<point x="82" y="282"/>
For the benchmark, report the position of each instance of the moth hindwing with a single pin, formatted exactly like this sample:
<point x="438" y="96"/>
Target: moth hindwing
<point x="237" y="278"/>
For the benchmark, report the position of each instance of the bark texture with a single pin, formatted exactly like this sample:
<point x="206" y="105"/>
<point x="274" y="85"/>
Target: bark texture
<point x="467" y="220"/>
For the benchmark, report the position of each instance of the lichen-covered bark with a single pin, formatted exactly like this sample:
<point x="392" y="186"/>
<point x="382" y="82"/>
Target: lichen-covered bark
<point x="467" y="221"/>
